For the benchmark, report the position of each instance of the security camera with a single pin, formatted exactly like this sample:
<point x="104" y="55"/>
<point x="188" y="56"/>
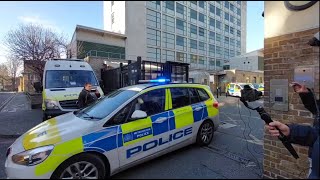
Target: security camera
<point x="315" y="41"/>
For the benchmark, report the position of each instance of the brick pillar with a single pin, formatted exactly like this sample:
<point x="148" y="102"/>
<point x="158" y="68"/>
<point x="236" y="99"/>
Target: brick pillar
<point x="281" y="55"/>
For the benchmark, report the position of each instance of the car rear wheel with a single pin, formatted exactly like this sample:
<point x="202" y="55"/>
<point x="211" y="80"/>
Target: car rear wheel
<point x="205" y="133"/>
<point x="83" y="166"/>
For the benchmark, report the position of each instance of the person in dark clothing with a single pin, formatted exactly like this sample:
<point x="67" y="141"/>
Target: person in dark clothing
<point x="85" y="97"/>
<point x="300" y="134"/>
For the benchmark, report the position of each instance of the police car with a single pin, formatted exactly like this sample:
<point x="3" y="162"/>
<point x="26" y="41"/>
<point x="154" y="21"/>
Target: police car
<point x="129" y="126"/>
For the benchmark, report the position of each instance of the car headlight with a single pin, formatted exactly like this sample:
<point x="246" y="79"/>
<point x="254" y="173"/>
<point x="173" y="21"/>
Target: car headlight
<point x="52" y="104"/>
<point x="32" y="157"/>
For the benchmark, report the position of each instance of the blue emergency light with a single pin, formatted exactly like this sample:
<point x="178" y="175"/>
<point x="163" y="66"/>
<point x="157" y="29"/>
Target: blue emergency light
<point x="162" y="80"/>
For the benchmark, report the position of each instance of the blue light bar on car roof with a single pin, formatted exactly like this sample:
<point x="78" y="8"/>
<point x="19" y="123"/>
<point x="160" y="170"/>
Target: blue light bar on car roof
<point x="155" y="81"/>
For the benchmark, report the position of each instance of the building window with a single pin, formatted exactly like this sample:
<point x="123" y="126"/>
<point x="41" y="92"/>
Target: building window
<point x="153" y="19"/>
<point x="227" y="67"/>
<point x="218" y="2"/>
<point x="232" y="7"/>
<point x="201" y="32"/>
<point x="238" y="44"/>
<point x="180" y="9"/>
<point x="168" y="40"/>
<point x="238" y="33"/>
<point x="193" y="31"/>
<point x="168" y="23"/>
<point x="232" y="42"/>
<point x="239" y="11"/>
<point x="112" y="18"/>
<point x="212" y="9"/>
<point x="181" y="43"/>
<point x="226" y="28"/>
<point x="226" y="4"/>
<point x="226" y="16"/>
<point x="201" y="59"/>
<point x="238" y="22"/>
<point x="201" y="17"/>
<point x="219" y="51"/>
<point x="170" y="5"/>
<point x="193" y="58"/>
<point x="211" y="37"/>
<point x="201" y="4"/>
<point x="211" y="23"/>
<point x="218" y="24"/>
<point x="168" y="55"/>
<point x="194" y="2"/>
<point x="153" y="53"/>
<point x="232" y="53"/>
<point x="193" y="14"/>
<point x="153" y="5"/>
<point x="193" y="44"/>
<point x="238" y="53"/>
<point x="181" y="27"/>
<point x="153" y="37"/>
<point x="239" y="2"/>
<point x="181" y="57"/>
<point x="218" y="37"/>
<point x="212" y="50"/>
<point x="226" y="42"/>
<point x="202" y="48"/>
<point x="231" y="19"/>
<point x="231" y="30"/>
<point x="218" y="63"/>
<point x="218" y="11"/>
<point x="201" y="45"/>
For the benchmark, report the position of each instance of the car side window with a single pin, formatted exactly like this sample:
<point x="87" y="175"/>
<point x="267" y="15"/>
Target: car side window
<point x="203" y="94"/>
<point x="194" y="97"/>
<point x="122" y="116"/>
<point x="180" y="97"/>
<point x="152" y="102"/>
<point x="231" y="86"/>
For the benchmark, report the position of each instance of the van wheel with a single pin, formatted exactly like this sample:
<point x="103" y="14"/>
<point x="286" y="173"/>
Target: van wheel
<point x="82" y="166"/>
<point x="205" y="133"/>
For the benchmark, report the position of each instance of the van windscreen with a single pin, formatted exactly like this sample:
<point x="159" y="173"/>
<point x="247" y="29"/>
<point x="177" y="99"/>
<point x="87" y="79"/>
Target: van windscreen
<point x="69" y="78"/>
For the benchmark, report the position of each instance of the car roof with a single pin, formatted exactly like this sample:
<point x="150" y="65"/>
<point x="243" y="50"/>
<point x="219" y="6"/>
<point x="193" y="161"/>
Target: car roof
<point x="140" y="87"/>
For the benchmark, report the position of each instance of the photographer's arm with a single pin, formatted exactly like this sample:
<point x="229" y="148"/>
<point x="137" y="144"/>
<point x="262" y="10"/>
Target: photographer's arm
<point x="302" y="135"/>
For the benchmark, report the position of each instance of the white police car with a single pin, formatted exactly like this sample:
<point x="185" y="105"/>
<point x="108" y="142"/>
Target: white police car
<point x="129" y="126"/>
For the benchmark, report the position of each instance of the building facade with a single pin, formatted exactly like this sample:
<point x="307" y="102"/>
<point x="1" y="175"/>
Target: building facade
<point x="205" y="34"/>
<point x="251" y="61"/>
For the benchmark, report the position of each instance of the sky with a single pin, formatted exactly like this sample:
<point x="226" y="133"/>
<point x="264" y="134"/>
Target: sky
<point x="63" y="16"/>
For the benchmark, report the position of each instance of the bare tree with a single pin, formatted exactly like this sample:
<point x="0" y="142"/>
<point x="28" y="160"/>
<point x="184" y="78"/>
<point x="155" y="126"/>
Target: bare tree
<point x="13" y="65"/>
<point x="34" y="43"/>
<point x="3" y="74"/>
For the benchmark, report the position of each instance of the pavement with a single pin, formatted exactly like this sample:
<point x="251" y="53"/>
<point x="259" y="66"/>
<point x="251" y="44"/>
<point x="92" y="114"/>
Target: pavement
<point x="235" y="152"/>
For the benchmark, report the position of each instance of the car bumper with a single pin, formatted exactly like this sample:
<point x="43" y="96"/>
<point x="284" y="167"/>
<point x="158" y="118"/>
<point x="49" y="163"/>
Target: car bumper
<point x="15" y="171"/>
<point x="216" y="122"/>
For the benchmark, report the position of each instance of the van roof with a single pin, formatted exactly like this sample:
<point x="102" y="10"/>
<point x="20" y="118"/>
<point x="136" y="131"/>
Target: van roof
<point x="67" y="64"/>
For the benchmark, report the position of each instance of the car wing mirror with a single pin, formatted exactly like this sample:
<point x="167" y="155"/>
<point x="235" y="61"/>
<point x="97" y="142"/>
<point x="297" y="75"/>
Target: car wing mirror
<point x="138" y="114"/>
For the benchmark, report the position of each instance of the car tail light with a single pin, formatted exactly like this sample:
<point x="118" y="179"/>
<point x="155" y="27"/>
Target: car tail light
<point x="216" y="104"/>
<point x="8" y="152"/>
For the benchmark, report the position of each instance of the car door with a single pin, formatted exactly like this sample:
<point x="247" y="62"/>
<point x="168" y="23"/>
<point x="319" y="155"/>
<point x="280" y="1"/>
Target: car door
<point x="181" y="115"/>
<point x="141" y="137"/>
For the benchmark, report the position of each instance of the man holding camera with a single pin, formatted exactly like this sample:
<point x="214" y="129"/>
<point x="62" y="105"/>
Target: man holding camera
<point x="300" y="134"/>
<point x="85" y="97"/>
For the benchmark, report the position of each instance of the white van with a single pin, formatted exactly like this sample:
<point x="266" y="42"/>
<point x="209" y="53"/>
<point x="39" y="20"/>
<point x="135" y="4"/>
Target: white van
<point x="63" y="80"/>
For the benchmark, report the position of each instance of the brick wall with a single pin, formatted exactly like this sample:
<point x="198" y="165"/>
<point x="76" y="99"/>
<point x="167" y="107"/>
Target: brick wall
<point x="281" y="55"/>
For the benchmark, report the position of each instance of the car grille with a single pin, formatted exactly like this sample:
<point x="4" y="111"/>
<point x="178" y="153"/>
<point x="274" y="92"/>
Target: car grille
<point x="69" y="104"/>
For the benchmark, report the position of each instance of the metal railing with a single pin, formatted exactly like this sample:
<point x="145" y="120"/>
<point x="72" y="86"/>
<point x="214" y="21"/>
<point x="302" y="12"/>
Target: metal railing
<point x="111" y="55"/>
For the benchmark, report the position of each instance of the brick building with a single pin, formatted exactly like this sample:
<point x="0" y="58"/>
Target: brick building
<point x="287" y="33"/>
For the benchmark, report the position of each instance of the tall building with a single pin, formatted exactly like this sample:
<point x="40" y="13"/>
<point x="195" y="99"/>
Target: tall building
<point x="205" y="34"/>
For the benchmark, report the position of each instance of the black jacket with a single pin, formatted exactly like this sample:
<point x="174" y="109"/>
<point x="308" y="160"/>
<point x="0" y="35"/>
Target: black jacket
<point x="307" y="135"/>
<point x="85" y="98"/>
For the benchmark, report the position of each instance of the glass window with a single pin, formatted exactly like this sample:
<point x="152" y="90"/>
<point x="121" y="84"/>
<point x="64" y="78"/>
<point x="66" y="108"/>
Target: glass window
<point x="232" y="7"/>
<point x="153" y="53"/>
<point x="231" y="19"/>
<point x="194" y="98"/>
<point x="238" y="22"/>
<point x="238" y="43"/>
<point x="201" y="59"/>
<point x="69" y="78"/>
<point x="211" y="62"/>
<point x="169" y="5"/>
<point x="212" y="9"/>
<point x="226" y="4"/>
<point x="232" y="53"/>
<point x="123" y="115"/>
<point x="201" y="17"/>
<point x="232" y="42"/>
<point x="226" y="53"/>
<point x="211" y="37"/>
<point x="168" y="23"/>
<point x="212" y="50"/>
<point x="201" y="45"/>
<point x="106" y="105"/>
<point x="218" y="11"/>
<point x="182" y="57"/>
<point x="226" y="16"/>
<point x="181" y="43"/>
<point x="181" y="27"/>
<point x="226" y="41"/>
<point x="168" y="40"/>
<point x="193" y="29"/>
<point x="219" y="51"/>
<point x="239" y="2"/>
<point x="194" y="2"/>
<point x="153" y="4"/>
<point x="238" y="53"/>
<point x="193" y="14"/>
<point x="193" y="58"/>
<point x="153" y="102"/>
<point x="153" y="19"/>
<point x="218" y="2"/>
<point x="201" y="4"/>
<point x="231" y="30"/>
<point x="226" y="28"/>
<point x="153" y="37"/>
<point x="168" y="55"/>
<point x="211" y="22"/>
<point x="218" y="37"/>
<point x="193" y="44"/>
<point x="238" y="33"/>
<point x="218" y="24"/>
<point x="239" y="11"/>
<point x="201" y="31"/>
<point x="180" y="9"/>
<point x="203" y="94"/>
<point x="180" y="97"/>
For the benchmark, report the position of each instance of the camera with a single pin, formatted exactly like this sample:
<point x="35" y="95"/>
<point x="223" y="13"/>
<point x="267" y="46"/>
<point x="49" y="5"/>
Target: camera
<point x="250" y="94"/>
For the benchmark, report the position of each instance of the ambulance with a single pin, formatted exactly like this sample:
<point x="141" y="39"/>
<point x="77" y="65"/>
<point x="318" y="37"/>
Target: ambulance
<point x="63" y="80"/>
<point x="127" y="127"/>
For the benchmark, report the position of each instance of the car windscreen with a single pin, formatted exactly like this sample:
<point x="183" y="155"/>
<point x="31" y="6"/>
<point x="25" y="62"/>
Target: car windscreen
<point x="69" y="78"/>
<point x="242" y="85"/>
<point x="256" y="86"/>
<point x="106" y="105"/>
